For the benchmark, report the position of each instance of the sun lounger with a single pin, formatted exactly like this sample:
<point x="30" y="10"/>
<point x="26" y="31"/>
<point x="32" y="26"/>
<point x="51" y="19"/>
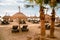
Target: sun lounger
<point x="4" y="22"/>
<point x="24" y="28"/>
<point x="58" y="25"/>
<point x="47" y="27"/>
<point x="15" y="28"/>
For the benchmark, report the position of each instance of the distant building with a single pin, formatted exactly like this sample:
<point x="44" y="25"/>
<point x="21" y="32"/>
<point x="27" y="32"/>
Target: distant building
<point x="33" y="18"/>
<point x="48" y="18"/>
<point x="57" y="19"/>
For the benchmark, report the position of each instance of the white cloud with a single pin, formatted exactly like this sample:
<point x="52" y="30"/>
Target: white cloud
<point x="7" y="3"/>
<point x="11" y="6"/>
<point x="10" y="2"/>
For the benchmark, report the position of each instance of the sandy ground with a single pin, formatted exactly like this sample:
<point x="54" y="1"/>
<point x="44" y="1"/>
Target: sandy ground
<point x="6" y="34"/>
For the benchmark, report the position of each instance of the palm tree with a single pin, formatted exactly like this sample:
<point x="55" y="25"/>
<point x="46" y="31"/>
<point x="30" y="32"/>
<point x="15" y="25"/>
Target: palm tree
<point x="42" y="16"/>
<point x="53" y="5"/>
<point x="58" y="1"/>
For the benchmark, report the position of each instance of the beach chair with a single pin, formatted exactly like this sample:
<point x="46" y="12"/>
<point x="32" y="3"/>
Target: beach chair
<point x="15" y="28"/>
<point x="58" y="25"/>
<point x="4" y="22"/>
<point x="47" y="27"/>
<point x="35" y="21"/>
<point x="24" y="28"/>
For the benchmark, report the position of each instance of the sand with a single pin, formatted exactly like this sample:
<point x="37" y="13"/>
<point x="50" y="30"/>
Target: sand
<point x="6" y="33"/>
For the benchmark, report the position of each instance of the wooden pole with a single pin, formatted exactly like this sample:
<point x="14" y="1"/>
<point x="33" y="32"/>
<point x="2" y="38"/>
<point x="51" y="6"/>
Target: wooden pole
<point x="19" y="8"/>
<point x="19" y="24"/>
<point x="52" y="24"/>
<point x="42" y="17"/>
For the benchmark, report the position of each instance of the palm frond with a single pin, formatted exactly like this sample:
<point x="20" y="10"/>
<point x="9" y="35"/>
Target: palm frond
<point x="46" y="1"/>
<point x="38" y="1"/>
<point x="27" y="6"/>
<point x="53" y="3"/>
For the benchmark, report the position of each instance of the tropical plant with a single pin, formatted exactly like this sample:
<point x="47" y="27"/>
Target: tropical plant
<point x="42" y="15"/>
<point x="53" y="4"/>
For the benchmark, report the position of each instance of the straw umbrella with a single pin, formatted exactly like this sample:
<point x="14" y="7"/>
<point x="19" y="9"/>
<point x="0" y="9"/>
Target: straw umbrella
<point x="6" y="18"/>
<point x="42" y="16"/>
<point x="19" y="15"/>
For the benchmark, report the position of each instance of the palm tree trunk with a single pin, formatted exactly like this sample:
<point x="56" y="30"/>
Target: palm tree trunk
<point x="52" y="23"/>
<point x="42" y="17"/>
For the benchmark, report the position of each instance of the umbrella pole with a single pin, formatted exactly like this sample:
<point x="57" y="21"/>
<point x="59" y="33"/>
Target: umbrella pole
<point x="19" y="24"/>
<point x="19" y="27"/>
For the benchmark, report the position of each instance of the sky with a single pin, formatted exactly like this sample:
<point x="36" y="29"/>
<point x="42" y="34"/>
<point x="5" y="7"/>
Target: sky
<point x="11" y="7"/>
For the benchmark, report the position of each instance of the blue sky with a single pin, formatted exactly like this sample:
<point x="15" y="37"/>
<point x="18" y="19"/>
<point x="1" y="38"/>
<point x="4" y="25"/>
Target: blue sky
<point x="11" y="7"/>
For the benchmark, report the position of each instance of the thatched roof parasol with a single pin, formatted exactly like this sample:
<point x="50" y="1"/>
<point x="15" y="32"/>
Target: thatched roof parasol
<point x="19" y="15"/>
<point x="6" y="17"/>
